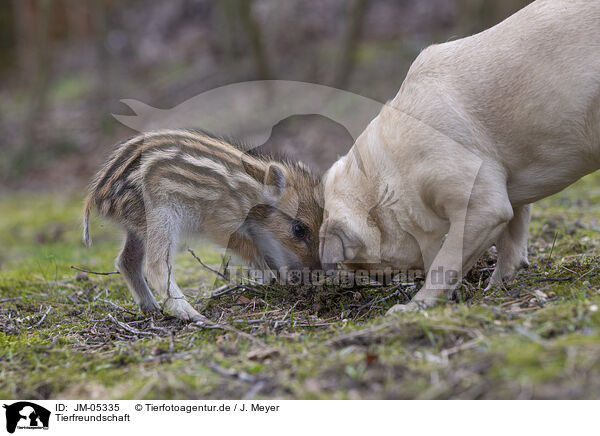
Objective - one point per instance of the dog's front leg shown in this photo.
(471, 233)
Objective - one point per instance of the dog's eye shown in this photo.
(299, 230)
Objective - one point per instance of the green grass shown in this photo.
(537, 338)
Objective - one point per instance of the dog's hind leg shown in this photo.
(512, 247)
(477, 219)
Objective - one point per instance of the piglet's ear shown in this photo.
(274, 182)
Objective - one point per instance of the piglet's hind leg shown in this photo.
(129, 263)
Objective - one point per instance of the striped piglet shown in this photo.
(165, 184)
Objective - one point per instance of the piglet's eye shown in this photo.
(299, 230)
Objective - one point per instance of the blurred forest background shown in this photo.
(64, 67)
(65, 64)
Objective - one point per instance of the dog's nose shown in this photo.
(331, 251)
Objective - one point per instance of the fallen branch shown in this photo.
(381, 299)
(223, 276)
(555, 279)
(219, 292)
(127, 327)
(100, 273)
(254, 390)
(241, 375)
(286, 314)
(43, 318)
(6, 300)
(532, 336)
(116, 306)
(214, 271)
(462, 347)
(171, 355)
(210, 325)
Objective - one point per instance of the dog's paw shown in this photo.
(501, 278)
(181, 309)
(506, 271)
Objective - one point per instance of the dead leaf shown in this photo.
(263, 353)
(243, 300)
(371, 358)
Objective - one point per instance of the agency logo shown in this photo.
(26, 415)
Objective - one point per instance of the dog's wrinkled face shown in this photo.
(359, 230)
(344, 235)
(342, 241)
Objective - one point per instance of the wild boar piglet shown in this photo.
(163, 185)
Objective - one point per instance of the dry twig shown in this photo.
(101, 273)
(211, 325)
(127, 327)
(6, 300)
(241, 375)
(116, 306)
(214, 271)
(43, 318)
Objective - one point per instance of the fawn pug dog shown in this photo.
(481, 128)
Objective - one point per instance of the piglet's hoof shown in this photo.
(150, 307)
(402, 308)
(179, 308)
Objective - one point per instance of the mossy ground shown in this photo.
(68, 337)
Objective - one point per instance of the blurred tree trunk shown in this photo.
(25, 29)
(238, 29)
(352, 35)
(254, 33)
(7, 33)
(227, 15)
(36, 16)
(98, 10)
(77, 17)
